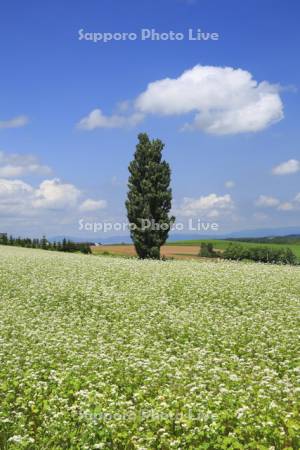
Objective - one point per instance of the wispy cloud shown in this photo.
(17, 165)
(15, 122)
(96, 119)
(230, 184)
(267, 201)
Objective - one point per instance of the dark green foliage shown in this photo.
(64, 246)
(290, 257)
(85, 249)
(44, 243)
(149, 198)
(207, 250)
(260, 254)
(292, 239)
(3, 238)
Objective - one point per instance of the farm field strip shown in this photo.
(179, 252)
(222, 244)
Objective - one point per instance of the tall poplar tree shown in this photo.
(149, 198)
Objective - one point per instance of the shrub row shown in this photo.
(260, 254)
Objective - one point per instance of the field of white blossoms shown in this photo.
(114, 353)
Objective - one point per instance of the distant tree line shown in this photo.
(239, 252)
(290, 239)
(60, 246)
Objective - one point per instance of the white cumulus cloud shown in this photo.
(51, 203)
(210, 206)
(9, 189)
(287, 167)
(92, 205)
(224, 100)
(54, 194)
(15, 197)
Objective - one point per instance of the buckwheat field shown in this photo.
(114, 353)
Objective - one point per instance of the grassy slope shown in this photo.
(222, 244)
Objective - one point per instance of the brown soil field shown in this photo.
(174, 251)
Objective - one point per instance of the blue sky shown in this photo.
(50, 81)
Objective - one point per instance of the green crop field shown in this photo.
(114, 353)
(222, 244)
